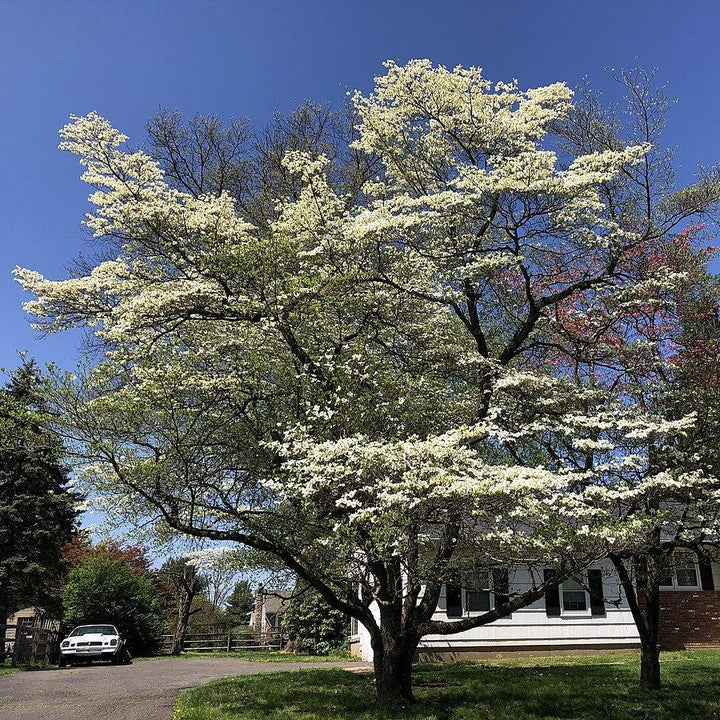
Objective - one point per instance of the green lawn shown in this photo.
(264, 656)
(597, 688)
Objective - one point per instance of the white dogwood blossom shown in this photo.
(441, 346)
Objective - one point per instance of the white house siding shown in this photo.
(530, 629)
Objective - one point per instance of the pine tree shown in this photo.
(37, 510)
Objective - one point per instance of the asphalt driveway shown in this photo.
(141, 691)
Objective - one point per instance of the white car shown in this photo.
(93, 642)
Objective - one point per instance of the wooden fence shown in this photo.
(231, 641)
(30, 644)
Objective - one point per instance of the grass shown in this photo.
(568, 688)
(6, 669)
(263, 656)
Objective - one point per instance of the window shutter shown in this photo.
(501, 585)
(453, 601)
(552, 595)
(595, 583)
(706, 575)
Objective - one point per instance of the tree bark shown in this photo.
(650, 666)
(392, 662)
(645, 607)
(182, 622)
(650, 637)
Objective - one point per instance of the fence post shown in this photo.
(229, 641)
(17, 646)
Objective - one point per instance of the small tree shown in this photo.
(103, 590)
(185, 584)
(312, 625)
(240, 603)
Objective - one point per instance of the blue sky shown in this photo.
(250, 57)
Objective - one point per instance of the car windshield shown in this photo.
(93, 630)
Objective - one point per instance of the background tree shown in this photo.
(186, 584)
(240, 603)
(358, 377)
(81, 548)
(103, 590)
(312, 625)
(208, 618)
(38, 510)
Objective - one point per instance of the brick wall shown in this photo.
(690, 619)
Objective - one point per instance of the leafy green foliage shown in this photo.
(240, 603)
(207, 618)
(37, 510)
(103, 590)
(313, 626)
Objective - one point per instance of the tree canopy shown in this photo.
(387, 346)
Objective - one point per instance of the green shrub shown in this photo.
(312, 626)
(101, 590)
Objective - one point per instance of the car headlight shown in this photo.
(65, 643)
(113, 641)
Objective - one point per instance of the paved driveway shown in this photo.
(141, 691)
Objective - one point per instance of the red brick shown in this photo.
(689, 619)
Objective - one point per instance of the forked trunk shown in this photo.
(392, 661)
(643, 597)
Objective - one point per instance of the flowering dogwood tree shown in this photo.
(381, 383)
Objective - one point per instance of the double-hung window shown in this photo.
(480, 591)
(681, 572)
(581, 595)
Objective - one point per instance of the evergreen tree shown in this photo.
(240, 603)
(37, 510)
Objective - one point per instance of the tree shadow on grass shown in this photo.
(471, 691)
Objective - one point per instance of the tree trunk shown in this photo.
(643, 597)
(181, 625)
(649, 666)
(650, 638)
(392, 661)
(3, 635)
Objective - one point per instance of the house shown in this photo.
(571, 618)
(265, 618)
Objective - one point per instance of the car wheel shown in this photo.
(62, 662)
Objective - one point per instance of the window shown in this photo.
(482, 590)
(477, 592)
(574, 598)
(681, 572)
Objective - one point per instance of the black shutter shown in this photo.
(595, 584)
(706, 575)
(453, 601)
(501, 586)
(552, 595)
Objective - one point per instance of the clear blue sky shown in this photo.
(241, 58)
